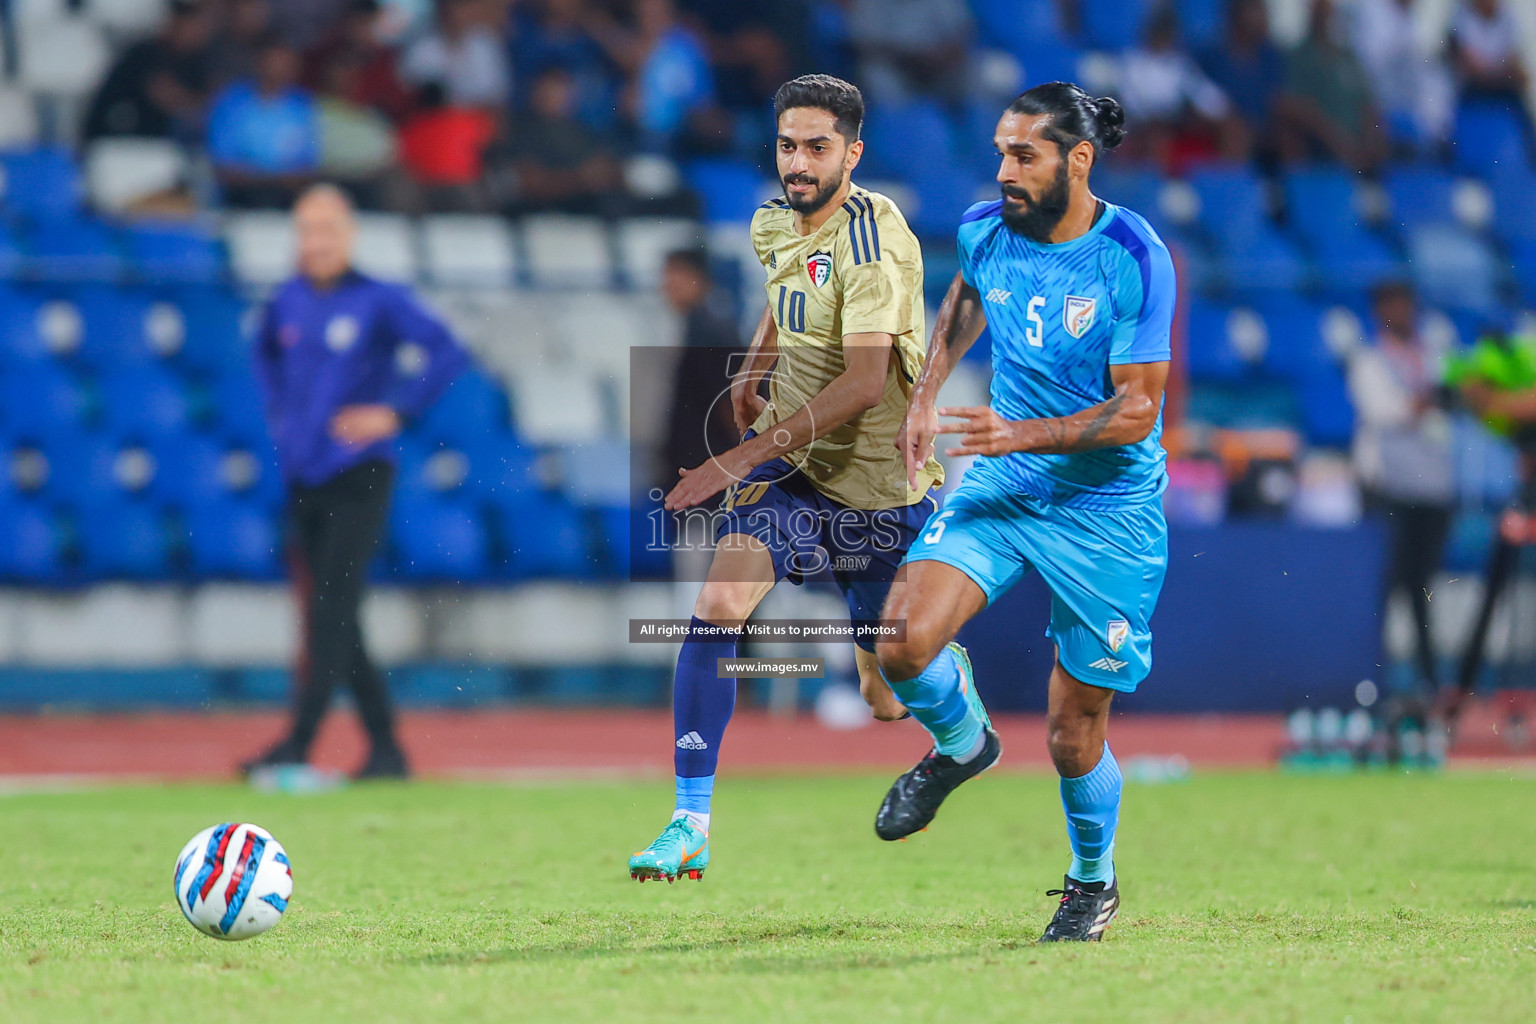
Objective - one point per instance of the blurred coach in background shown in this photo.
(343, 360)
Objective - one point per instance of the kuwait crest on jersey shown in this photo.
(819, 266)
(1077, 317)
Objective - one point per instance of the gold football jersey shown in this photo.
(861, 273)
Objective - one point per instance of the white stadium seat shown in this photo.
(120, 171)
(129, 17)
(260, 246)
(18, 119)
(597, 330)
(64, 57)
(29, 12)
(557, 406)
(644, 244)
(468, 251)
(385, 247)
(567, 251)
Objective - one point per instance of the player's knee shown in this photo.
(724, 603)
(1071, 741)
(903, 659)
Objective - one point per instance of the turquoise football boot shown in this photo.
(680, 850)
(968, 684)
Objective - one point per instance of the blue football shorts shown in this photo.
(809, 535)
(1104, 569)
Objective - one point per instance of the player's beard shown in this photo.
(1039, 217)
(811, 201)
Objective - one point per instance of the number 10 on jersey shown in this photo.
(796, 310)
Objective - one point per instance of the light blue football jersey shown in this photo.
(1060, 317)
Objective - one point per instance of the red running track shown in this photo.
(564, 743)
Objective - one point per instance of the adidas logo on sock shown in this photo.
(692, 741)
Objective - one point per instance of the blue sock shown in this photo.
(935, 700)
(701, 706)
(1092, 804)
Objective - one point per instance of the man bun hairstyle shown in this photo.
(1075, 116)
(824, 92)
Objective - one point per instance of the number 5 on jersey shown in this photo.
(1034, 332)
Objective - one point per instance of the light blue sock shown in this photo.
(935, 700)
(1092, 803)
(693, 794)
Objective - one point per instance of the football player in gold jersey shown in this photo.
(818, 484)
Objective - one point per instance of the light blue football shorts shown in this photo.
(1105, 570)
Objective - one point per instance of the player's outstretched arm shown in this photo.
(1126, 417)
(958, 325)
(866, 359)
(747, 403)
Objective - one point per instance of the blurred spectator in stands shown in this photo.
(158, 87)
(328, 354)
(911, 47)
(557, 34)
(464, 54)
(699, 418)
(358, 39)
(1329, 110)
(357, 142)
(303, 23)
(443, 149)
(559, 162)
(1411, 87)
(1485, 50)
(1403, 455)
(751, 46)
(1250, 69)
(1181, 116)
(244, 25)
(264, 132)
(670, 95)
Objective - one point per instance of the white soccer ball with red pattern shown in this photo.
(233, 881)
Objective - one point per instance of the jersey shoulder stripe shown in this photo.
(775, 204)
(863, 236)
(981, 211)
(1132, 233)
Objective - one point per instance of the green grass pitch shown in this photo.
(1248, 897)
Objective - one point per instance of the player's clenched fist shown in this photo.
(915, 439)
(983, 432)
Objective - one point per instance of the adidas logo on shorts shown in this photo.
(1105, 664)
(692, 741)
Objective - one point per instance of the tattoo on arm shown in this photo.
(1063, 437)
(1090, 436)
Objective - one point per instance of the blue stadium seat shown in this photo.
(729, 189)
(473, 406)
(117, 328)
(501, 465)
(1321, 210)
(215, 338)
(32, 331)
(1213, 356)
(1420, 196)
(1264, 262)
(1296, 347)
(1233, 205)
(437, 540)
(12, 255)
(233, 539)
(541, 535)
(1524, 258)
(189, 471)
(1491, 138)
(1327, 414)
(628, 552)
(1453, 268)
(945, 191)
(1113, 24)
(906, 141)
(1514, 203)
(75, 250)
(31, 550)
(144, 403)
(43, 184)
(239, 408)
(87, 469)
(1201, 22)
(39, 401)
(174, 253)
(123, 538)
(1020, 26)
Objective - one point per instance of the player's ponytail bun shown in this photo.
(1075, 116)
(1111, 121)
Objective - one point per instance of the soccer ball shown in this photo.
(233, 881)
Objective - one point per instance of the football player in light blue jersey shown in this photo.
(1079, 295)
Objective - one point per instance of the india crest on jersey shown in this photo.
(819, 266)
(1077, 317)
